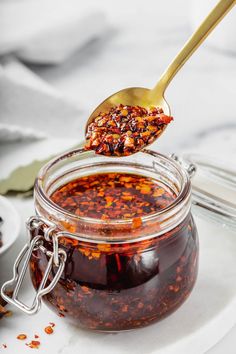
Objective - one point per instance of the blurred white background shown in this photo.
(60, 59)
(101, 47)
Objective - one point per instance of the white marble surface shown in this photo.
(145, 36)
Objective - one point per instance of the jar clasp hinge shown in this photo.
(56, 259)
(189, 167)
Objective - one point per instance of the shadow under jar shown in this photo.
(129, 260)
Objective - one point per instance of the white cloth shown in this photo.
(36, 121)
(31, 109)
(47, 31)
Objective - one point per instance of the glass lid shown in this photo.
(213, 187)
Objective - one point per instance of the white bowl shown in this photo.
(11, 224)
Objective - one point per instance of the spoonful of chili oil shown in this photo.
(133, 118)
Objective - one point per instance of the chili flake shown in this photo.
(125, 130)
(34, 344)
(48, 330)
(21, 336)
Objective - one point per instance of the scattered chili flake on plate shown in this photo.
(21, 336)
(4, 346)
(48, 330)
(34, 344)
(125, 130)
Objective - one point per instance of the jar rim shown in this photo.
(181, 197)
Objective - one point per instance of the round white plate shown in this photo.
(11, 224)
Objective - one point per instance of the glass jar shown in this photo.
(108, 275)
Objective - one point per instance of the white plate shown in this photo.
(208, 314)
(11, 224)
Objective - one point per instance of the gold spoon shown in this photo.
(155, 97)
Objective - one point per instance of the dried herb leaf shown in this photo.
(21, 180)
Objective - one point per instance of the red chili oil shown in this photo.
(113, 196)
(121, 286)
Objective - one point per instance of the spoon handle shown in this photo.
(210, 22)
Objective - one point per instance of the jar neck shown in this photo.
(79, 163)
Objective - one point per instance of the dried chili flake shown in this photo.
(34, 344)
(36, 336)
(136, 222)
(4, 346)
(125, 130)
(21, 336)
(104, 247)
(52, 324)
(48, 330)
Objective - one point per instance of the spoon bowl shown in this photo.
(131, 96)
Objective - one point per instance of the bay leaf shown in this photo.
(21, 180)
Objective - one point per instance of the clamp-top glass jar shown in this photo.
(112, 272)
